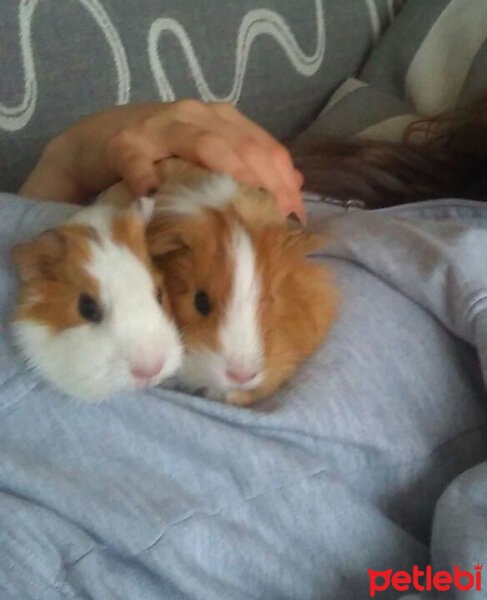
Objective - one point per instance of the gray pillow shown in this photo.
(279, 61)
(432, 59)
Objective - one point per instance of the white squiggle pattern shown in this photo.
(391, 10)
(255, 23)
(17, 117)
(394, 7)
(374, 19)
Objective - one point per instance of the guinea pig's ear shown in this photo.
(303, 241)
(37, 259)
(165, 236)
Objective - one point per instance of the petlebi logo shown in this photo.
(426, 580)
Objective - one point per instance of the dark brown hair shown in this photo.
(444, 156)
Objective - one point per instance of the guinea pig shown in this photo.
(93, 316)
(250, 306)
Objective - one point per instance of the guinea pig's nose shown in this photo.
(240, 375)
(146, 370)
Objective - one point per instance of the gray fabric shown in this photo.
(165, 495)
(363, 108)
(460, 526)
(81, 56)
(387, 66)
(476, 80)
(410, 71)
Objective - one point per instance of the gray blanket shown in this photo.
(363, 462)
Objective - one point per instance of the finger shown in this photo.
(281, 155)
(261, 163)
(208, 149)
(137, 170)
(231, 114)
(131, 156)
(212, 148)
(299, 177)
(298, 209)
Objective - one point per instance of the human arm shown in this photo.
(124, 142)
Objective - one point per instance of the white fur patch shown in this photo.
(98, 216)
(138, 327)
(240, 335)
(214, 191)
(241, 345)
(144, 208)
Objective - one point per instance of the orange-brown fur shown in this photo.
(297, 308)
(189, 265)
(52, 273)
(129, 232)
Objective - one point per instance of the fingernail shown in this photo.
(301, 214)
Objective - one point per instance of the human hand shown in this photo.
(124, 142)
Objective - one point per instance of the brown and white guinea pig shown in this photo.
(249, 304)
(92, 317)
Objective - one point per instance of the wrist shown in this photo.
(52, 177)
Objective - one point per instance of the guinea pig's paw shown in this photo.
(240, 398)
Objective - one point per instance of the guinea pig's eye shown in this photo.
(202, 303)
(159, 295)
(89, 308)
